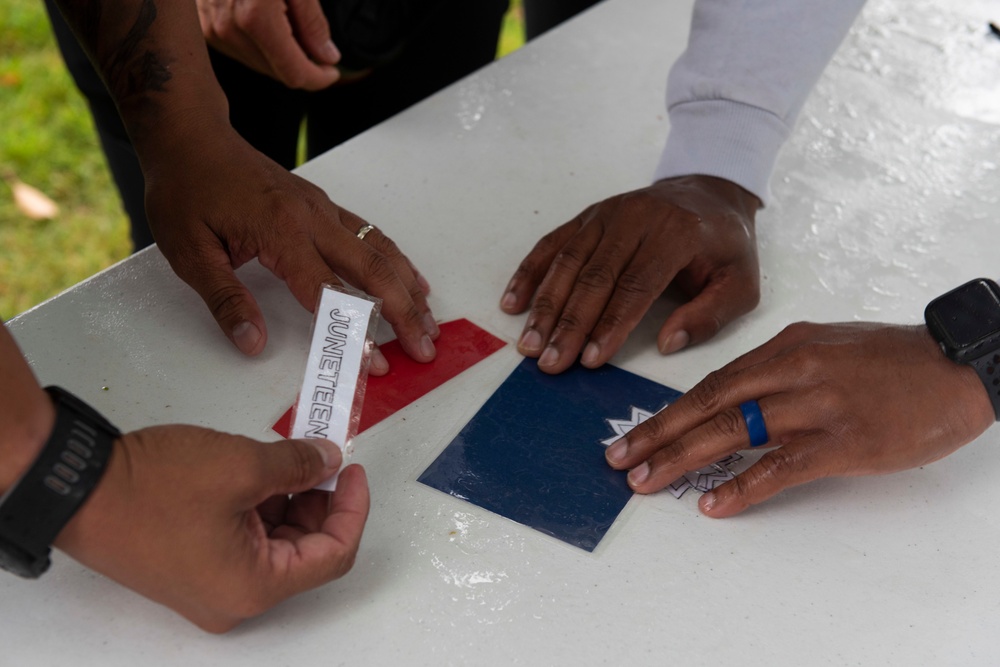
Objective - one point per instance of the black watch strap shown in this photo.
(37, 507)
(988, 367)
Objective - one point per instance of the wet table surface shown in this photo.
(885, 197)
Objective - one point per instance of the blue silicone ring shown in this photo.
(755, 423)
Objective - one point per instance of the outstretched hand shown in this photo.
(590, 281)
(837, 400)
(214, 203)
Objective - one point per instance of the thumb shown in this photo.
(704, 316)
(313, 31)
(293, 466)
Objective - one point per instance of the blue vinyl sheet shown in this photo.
(534, 452)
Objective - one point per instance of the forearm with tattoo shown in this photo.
(152, 57)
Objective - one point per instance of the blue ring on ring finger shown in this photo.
(754, 419)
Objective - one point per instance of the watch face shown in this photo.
(966, 315)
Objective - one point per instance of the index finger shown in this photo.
(718, 395)
(532, 269)
(327, 554)
(390, 278)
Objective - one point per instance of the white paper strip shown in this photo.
(336, 372)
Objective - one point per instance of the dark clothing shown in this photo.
(461, 39)
(542, 15)
(122, 162)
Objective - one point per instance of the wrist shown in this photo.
(170, 136)
(56, 484)
(741, 200)
(29, 424)
(966, 383)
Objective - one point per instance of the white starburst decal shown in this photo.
(623, 426)
(702, 480)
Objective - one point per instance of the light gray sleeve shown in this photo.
(736, 91)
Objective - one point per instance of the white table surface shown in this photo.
(885, 197)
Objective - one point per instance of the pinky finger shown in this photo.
(779, 469)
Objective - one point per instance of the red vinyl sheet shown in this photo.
(460, 346)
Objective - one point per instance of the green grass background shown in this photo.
(48, 141)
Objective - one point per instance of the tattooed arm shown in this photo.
(138, 48)
(213, 202)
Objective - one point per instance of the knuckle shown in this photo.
(249, 16)
(777, 466)
(526, 270)
(807, 361)
(706, 395)
(797, 331)
(223, 30)
(729, 424)
(711, 326)
(225, 302)
(549, 242)
(597, 277)
(612, 320)
(377, 268)
(386, 245)
(632, 203)
(652, 430)
(673, 456)
(301, 462)
(412, 318)
(744, 484)
(568, 258)
(569, 321)
(633, 284)
(545, 305)
(833, 404)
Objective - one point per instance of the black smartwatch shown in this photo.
(57, 483)
(966, 323)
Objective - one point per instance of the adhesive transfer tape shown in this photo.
(333, 388)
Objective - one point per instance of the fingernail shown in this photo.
(616, 452)
(550, 357)
(638, 474)
(246, 336)
(679, 340)
(380, 366)
(430, 326)
(427, 347)
(531, 341)
(508, 301)
(329, 451)
(331, 52)
(590, 355)
(707, 501)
